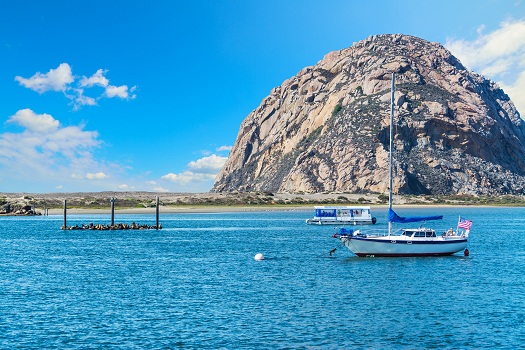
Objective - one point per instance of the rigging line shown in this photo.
(332, 251)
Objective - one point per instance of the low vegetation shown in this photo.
(130, 200)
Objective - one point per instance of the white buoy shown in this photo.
(258, 257)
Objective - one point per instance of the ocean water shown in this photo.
(195, 285)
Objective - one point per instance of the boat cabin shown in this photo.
(421, 232)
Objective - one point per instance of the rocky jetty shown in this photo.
(119, 227)
(19, 207)
(326, 129)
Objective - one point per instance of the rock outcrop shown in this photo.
(7, 208)
(326, 129)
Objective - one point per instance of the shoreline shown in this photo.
(224, 209)
(234, 209)
(90, 203)
(176, 210)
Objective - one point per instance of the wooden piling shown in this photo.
(157, 213)
(113, 211)
(119, 226)
(65, 214)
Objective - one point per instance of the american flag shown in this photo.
(464, 223)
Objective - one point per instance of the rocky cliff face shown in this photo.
(326, 129)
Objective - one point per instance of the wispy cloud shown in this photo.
(81, 100)
(125, 187)
(46, 150)
(120, 91)
(96, 176)
(224, 148)
(62, 79)
(188, 177)
(199, 176)
(499, 55)
(96, 79)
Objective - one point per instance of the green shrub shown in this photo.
(337, 109)
(382, 197)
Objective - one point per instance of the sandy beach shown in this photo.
(145, 202)
(186, 209)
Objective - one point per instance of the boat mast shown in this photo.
(390, 151)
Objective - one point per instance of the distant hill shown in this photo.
(326, 129)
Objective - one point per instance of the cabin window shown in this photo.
(325, 213)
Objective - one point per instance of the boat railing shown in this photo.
(359, 233)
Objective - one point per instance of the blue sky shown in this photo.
(135, 95)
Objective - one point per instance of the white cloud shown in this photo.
(187, 177)
(96, 79)
(224, 148)
(96, 176)
(208, 165)
(118, 91)
(125, 187)
(200, 174)
(499, 55)
(37, 123)
(160, 189)
(47, 151)
(56, 79)
(170, 177)
(81, 100)
(61, 79)
(151, 183)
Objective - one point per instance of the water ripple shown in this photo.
(195, 284)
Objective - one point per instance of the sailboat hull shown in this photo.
(393, 246)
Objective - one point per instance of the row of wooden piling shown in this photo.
(114, 226)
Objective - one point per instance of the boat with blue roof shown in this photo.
(341, 215)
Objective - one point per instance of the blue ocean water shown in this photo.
(195, 284)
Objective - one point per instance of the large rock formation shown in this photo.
(326, 129)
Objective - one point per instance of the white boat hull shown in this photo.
(391, 246)
(339, 222)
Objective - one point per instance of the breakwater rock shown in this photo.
(17, 209)
(119, 226)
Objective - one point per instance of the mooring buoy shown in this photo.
(258, 257)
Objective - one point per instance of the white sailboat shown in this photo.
(419, 241)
